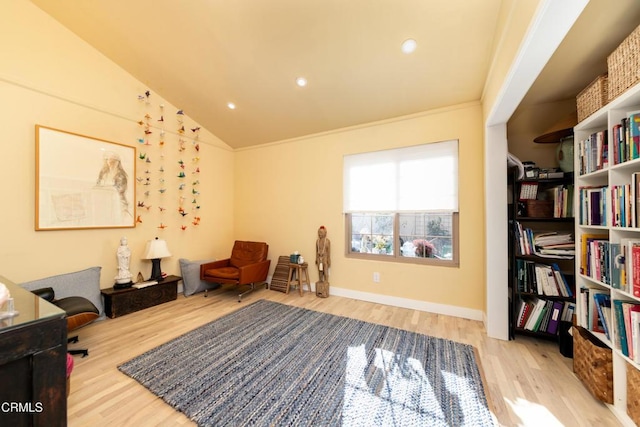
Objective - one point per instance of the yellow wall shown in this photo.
(49, 76)
(285, 191)
(280, 193)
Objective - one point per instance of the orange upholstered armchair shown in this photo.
(248, 265)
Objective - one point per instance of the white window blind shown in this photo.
(418, 178)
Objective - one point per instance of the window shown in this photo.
(402, 204)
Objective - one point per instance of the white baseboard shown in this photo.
(430, 307)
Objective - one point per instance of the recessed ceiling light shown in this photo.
(301, 81)
(409, 45)
(231, 106)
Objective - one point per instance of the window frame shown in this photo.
(396, 256)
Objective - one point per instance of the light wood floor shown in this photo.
(528, 381)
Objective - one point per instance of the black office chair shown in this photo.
(80, 312)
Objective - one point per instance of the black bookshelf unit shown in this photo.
(541, 277)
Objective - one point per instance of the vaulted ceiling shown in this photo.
(202, 55)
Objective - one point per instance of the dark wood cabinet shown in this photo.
(33, 354)
(118, 302)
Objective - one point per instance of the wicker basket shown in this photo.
(592, 98)
(592, 363)
(540, 208)
(633, 393)
(623, 65)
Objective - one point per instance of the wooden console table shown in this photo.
(118, 302)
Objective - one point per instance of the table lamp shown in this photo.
(155, 250)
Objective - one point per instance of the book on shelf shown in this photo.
(616, 266)
(543, 316)
(541, 279)
(635, 333)
(544, 244)
(620, 341)
(585, 240)
(556, 313)
(624, 317)
(602, 302)
(634, 133)
(568, 311)
(592, 152)
(593, 205)
(562, 197)
(630, 250)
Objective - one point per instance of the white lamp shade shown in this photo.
(156, 248)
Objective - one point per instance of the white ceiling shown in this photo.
(200, 55)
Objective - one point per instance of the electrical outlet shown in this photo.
(376, 277)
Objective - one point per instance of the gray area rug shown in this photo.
(270, 364)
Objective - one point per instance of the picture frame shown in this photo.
(83, 182)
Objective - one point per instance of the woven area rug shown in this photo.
(270, 364)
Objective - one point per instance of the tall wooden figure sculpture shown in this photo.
(323, 261)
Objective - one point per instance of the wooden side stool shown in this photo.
(298, 270)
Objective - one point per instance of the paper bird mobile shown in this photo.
(139, 179)
(161, 169)
(140, 97)
(181, 162)
(148, 160)
(141, 140)
(140, 122)
(162, 190)
(197, 207)
(197, 147)
(161, 180)
(147, 132)
(196, 182)
(194, 191)
(161, 106)
(181, 187)
(194, 201)
(147, 116)
(147, 94)
(196, 220)
(196, 129)
(139, 220)
(161, 119)
(141, 204)
(162, 226)
(180, 112)
(181, 175)
(197, 170)
(195, 159)
(146, 193)
(142, 156)
(148, 207)
(183, 227)
(162, 209)
(147, 172)
(182, 212)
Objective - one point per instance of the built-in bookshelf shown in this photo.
(541, 255)
(607, 232)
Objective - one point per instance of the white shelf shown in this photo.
(606, 118)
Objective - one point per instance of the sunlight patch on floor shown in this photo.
(532, 414)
